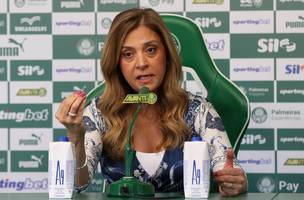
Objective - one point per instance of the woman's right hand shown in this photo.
(70, 113)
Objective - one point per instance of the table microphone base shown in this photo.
(130, 187)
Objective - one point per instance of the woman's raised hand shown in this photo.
(70, 113)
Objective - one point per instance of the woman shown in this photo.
(140, 52)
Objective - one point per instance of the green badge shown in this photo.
(149, 98)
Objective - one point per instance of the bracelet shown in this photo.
(85, 164)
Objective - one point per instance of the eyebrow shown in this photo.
(145, 44)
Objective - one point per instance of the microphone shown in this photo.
(130, 186)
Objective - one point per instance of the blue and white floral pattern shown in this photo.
(201, 118)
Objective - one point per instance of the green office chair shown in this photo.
(231, 104)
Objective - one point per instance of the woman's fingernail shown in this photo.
(80, 93)
(77, 92)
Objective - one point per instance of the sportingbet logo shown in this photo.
(27, 184)
(150, 98)
(274, 45)
(216, 45)
(27, 115)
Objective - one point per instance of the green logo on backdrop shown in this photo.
(267, 45)
(259, 115)
(290, 139)
(3, 24)
(290, 91)
(25, 115)
(290, 5)
(3, 161)
(3, 70)
(251, 5)
(73, 6)
(257, 91)
(117, 5)
(64, 89)
(30, 24)
(75, 46)
(29, 161)
(258, 139)
(211, 22)
(31, 70)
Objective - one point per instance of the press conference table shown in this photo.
(212, 196)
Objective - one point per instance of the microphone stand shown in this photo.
(130, 186)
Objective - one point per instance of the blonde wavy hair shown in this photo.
(172, 99)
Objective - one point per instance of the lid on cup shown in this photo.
(196, 137)
(63, 139)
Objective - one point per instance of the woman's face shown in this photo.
(142, 59)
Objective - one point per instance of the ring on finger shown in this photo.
(72, 114)
(227, 185)
(230, 185)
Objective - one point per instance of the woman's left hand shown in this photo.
(232, 181)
